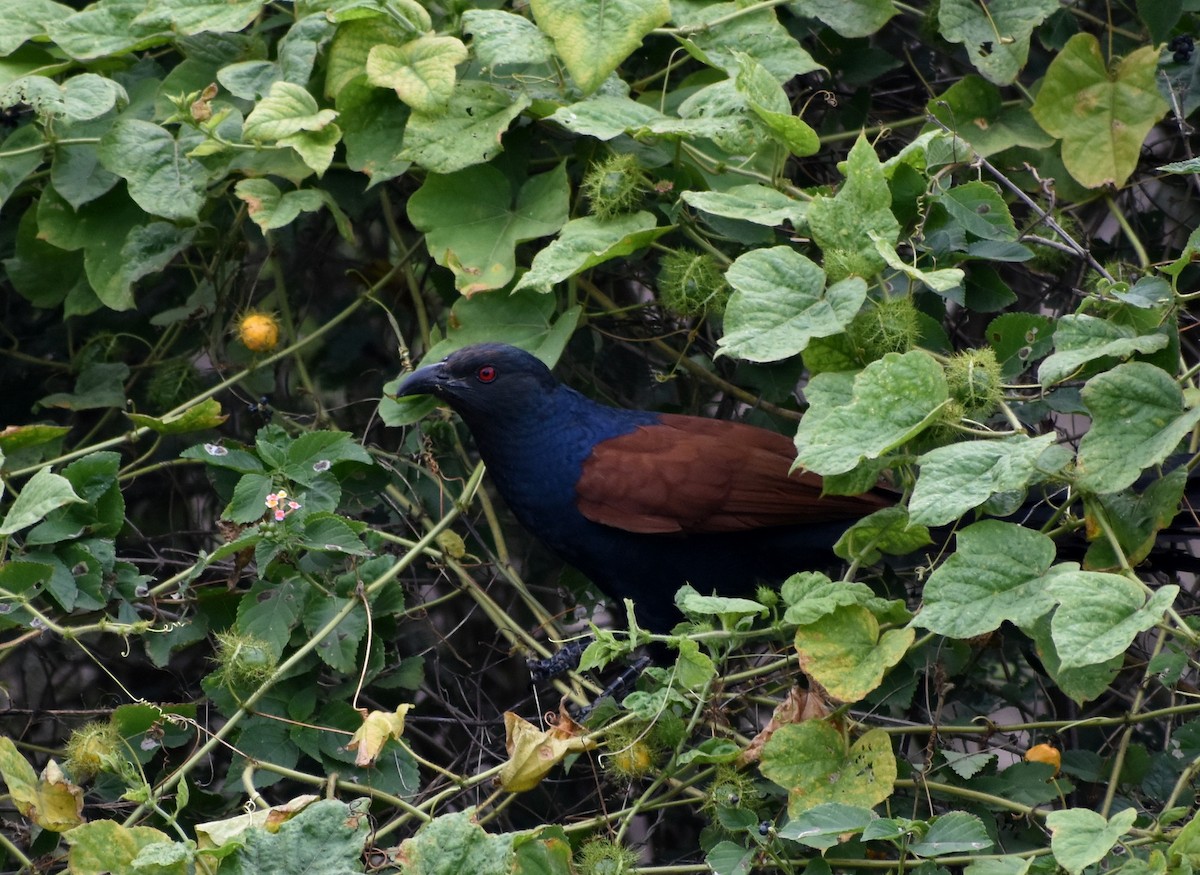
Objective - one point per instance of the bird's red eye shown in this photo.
(486, 374)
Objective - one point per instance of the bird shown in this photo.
(640, 502)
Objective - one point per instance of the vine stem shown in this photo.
(1118, 761)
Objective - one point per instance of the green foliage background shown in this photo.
(229, 583)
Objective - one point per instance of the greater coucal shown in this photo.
(640, 502)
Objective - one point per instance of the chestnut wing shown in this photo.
(693, 475)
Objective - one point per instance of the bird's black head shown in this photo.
(484, 380)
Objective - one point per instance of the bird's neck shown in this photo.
(535, 449)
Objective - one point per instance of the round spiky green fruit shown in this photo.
(890, 325)
(973, 377)
(614, 186)
(692, 284)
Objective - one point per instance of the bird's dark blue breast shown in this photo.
(536, 460)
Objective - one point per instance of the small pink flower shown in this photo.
(281, 504)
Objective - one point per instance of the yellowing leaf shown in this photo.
(1102, 117)
(813, 761)
(217, 833)
(105, 846)
(376, 729)
(594, 36)
(799, 705)
(845, 653)
(59, 802)
(533, 752)
(421, 71)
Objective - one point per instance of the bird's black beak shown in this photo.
(429, 380)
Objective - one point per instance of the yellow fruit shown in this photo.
(1044, 753)
(259, 332)
(632, 761)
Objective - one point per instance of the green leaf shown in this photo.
(940, 281)
(780, 303)
(42, 274)
(1160, 16)
(501, 38)
(146, 250)
(972, 108)
(996, 574)
(101, 384)
(329, 533)
(467, 133)
(1100, 614)
(78, 98)
(311, 454)
(1135, 520)
(811, 595)
(457, 843)
(893, 399)
(728, 609)
(15, 438)
(249, 502)
(606, 117)
(1079, 339)
(186, 17)
(372, 123)
(996, 36)
(19, 777)
(755, 203)
(811, 761)
(102, 513)
(594, 36)
(338, 649)
(1138, 419)
(14, 168)
(286, 110)
(980, 210)
(968, 765)
(43, 493)
(767, 100)
(586, 242)
(962, 476)
(885, 531)
(1102, 116)
(421, 71)
(27, 20)
(207, 414)
(824, 826)
(1018, 339)
(718, 37)
(269, 208)
(953, 833)
(1186, 846)
(845, 653)
(730, 858)
(162, 180)
(1079, 837)
(106, 28)
(76, 171)
(693, 669)
(843, 225)
(326, 838)
(473, 222)
(849, 18)
(270, 611)
(353, 43)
